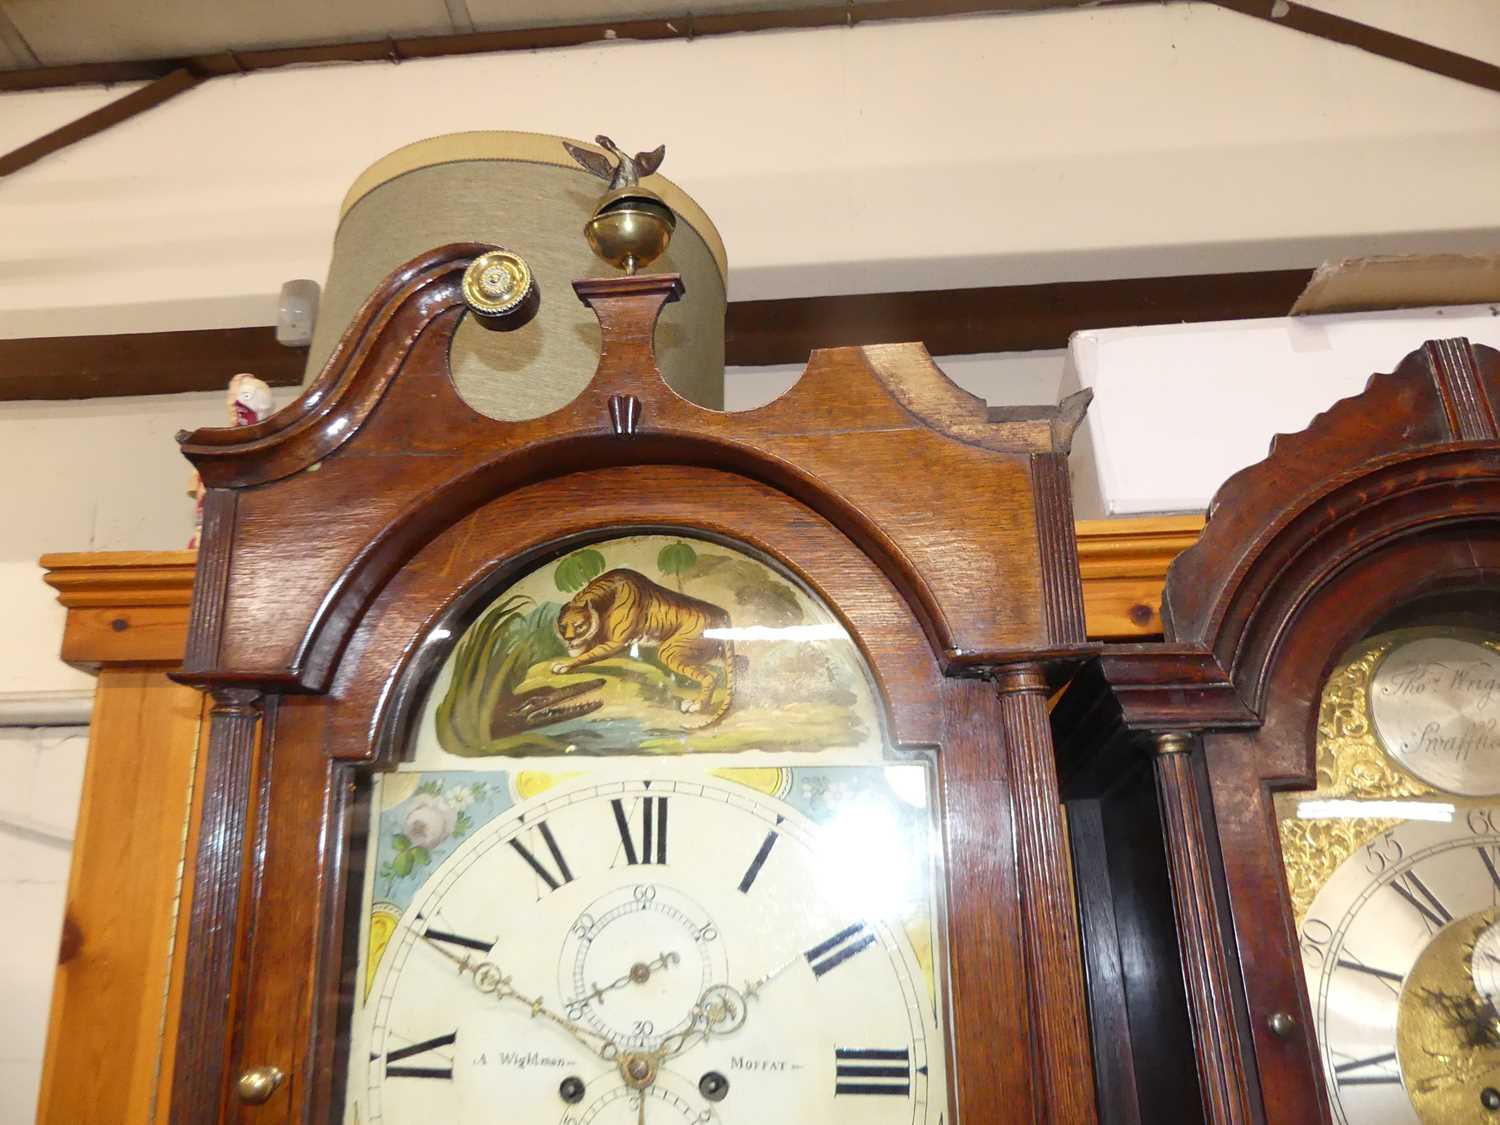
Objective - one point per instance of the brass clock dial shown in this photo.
(1404, 1032)
(1393, 864)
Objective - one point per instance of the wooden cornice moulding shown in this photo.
(357, 414)
(1123, 563)
(124, 607)
(121, 578)
(131, 607)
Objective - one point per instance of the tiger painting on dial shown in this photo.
(650, 643)
(622, 608)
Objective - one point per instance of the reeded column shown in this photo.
(1205, 962)
(1054, 951)
(203, 1032)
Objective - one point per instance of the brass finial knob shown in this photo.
(631, 228)
(256, 1085)
(632, 225)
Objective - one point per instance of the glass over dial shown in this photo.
(649, 857)
(666, 949)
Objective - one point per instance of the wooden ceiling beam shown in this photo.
(757, 333)
(143, 363)
(136, 102)
(1386, 44)
(681, 25)
(1008, 318)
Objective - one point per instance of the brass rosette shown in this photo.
(499, 288)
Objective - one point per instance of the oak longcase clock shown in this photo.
(636, 763)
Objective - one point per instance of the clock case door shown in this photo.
(341, 532)
(1389, 502)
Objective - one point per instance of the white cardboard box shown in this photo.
(1179, 408)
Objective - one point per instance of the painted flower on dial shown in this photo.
(435, 814)
(430, 821)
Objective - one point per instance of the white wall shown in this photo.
(43, 772)
(98, 475)
(1085, 143)
(1001, 379)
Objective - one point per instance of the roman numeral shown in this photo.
(872, 1070)
(454, 939)
(653, 833)
(839, 948)
(418, 1049)
(1385, 976)
(1434, 914)
(758, 862)
(1344, 1074)
(560, 874)
(1488, 860)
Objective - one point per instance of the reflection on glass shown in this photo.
(1440, 811)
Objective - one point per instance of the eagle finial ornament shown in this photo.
(626, 171)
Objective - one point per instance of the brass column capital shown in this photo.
(1174, 742)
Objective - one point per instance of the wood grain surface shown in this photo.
(109, 1036)
(1053, 948)
(844, 442)
(378, 509)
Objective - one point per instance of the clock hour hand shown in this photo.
(487, 977)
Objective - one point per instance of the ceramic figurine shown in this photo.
(249, 401)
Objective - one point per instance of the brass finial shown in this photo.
(632, 225)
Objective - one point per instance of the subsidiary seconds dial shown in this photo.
(665, 949)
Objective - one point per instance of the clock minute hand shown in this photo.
(722, 1010)
(752, 988)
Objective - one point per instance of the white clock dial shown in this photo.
(670, 1100)
(1362, 943)
(679, 949)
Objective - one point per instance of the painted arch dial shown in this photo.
(663, 947)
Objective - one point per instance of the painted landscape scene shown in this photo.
(653, 644)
